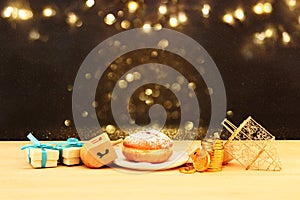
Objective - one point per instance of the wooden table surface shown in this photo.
(20, 181)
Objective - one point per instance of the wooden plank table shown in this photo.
(20, 181)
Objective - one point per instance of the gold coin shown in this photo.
(214, 170)
(187, 170)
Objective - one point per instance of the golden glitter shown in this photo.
(122, 84)
(182, 17)
(7, 12)
(180, 79)
(137, 75)
(269, 32)
(267, 7)
(120, 13)
(142, 96)
(205, 10)
(192, 85)
(163, 43)
(168, 104)
(132, 6)
(109, 19)
(49, 12)
(228, 19)
(71, 18)
(148, 91)
(113, 66)
(189, 125)
(90, 3)
(291, 3)
(69, 88)
(129, 61)
(79, 23)
(95, 104)
(162, 9)
(173, 21)
(149, 101)
(84, 114)
(129, 77)
(258, 8)
(88, 76)
(155, 93)
(147, 27)
(175, 114)
(286, 38)
(110, 129)
(158, 26)
(154, 54)
(67, 122)
(239, 14)
(125, 24)
(176, 87)
(229, 113)
(34, 35)
(209, 91)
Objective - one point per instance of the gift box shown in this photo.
(41, 155)
(69, 151)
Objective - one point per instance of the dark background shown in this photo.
(261, 80)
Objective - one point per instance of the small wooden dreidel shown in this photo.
(98, 151)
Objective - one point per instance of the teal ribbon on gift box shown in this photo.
(37, 144)
(71, 142)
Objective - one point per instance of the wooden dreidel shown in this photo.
(98, 151)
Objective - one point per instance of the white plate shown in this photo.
(177, 159)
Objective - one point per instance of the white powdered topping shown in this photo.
(152, 137)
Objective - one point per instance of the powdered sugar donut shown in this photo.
(147, 146)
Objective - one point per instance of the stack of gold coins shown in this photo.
(216, 156)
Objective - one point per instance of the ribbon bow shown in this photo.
(37, 144)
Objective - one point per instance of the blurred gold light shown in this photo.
(291, 3)
(268, 7)
(269, 32)
(90, 3)
(71, 18)
(162, 9)
(228, 18)
(258, 8)
(24, 14)
(147, 27)
(299, 19)
(109, 19)
(173, 21)
(189, 125)
(67, 122)
(148, 91)
(7, 12)
(286, 38)
(132, 6)
(122, 84)
(110, 129)
(49, 12)
(239, 14)
(259, 38)
(182, 17)
(34, 35)
(129, 77)
(125, 24)
(205, 10)
(158, 26)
